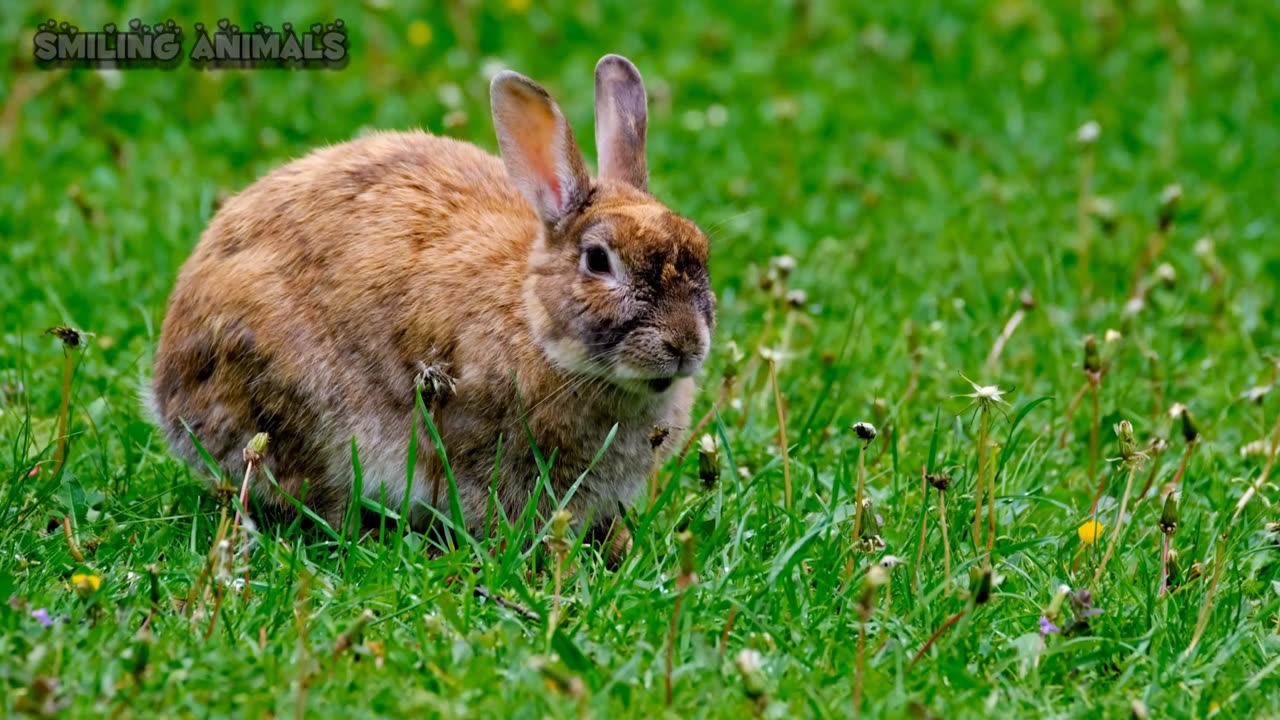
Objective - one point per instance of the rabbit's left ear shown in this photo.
(538, 147)
(622, 117)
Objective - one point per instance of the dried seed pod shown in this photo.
(865, 431)
(940, 481)
(1092, 358)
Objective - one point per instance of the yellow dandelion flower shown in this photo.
(1090, 531)
(85, 585)
(419, 33)
(518, 5)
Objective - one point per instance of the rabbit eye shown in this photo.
(597, 260)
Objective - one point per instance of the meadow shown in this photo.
(992, 232)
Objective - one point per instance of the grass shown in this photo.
(919, 162)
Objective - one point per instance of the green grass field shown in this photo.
(921, 164)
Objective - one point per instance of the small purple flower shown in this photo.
(1047, 628)
(42, 616)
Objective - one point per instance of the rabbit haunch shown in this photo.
(554, 302)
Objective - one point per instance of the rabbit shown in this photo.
(535, 306)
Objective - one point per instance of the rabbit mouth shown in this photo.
(660, 384)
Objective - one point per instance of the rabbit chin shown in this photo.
(571, 355)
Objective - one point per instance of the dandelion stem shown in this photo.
(71, 539)
(924, 527)
(991, 514)
(671, 641)
(64, 410)
(858, 667)
(936, 634)
(981, 486)
(946, 542)
(998, 347)
(1182, 467)
(555, 599)
(782, 432)
(1115, 534)
(1164, 566)
(860, 493)
(728, 627)
(1093, 431)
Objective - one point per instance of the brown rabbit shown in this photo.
(538, 304)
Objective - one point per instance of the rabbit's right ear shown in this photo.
(538, 147)
(622, 116)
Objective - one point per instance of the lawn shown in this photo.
(963, 191)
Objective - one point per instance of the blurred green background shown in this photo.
(920, 162)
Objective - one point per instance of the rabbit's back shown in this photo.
(318, 293)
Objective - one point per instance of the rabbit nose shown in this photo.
(684, 355)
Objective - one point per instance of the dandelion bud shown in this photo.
(750, 666)
(870, 524)
(1104, 211)
(1167, 275)
(1124, 432)
(1157, 446)
(687, 573)
(1257, 394)
(982, 591)
(871, 582)
(880, 408)
(940, 481)
(560, 525)
(354, 634)
(1257, 448)
(784, 264)
(889, 562)
(709, 460)
(865, 431)
(1088, 133)
(256, 447)
(1112, 336)
(797, 299)
(1175, 569)
(734, 362)
(1027, 300)
(1169, 515)
(1055, 605)
(1169, 198)
(1092, 358)
(1190, 432)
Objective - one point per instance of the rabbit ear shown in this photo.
(622, 116)
(538, 147)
